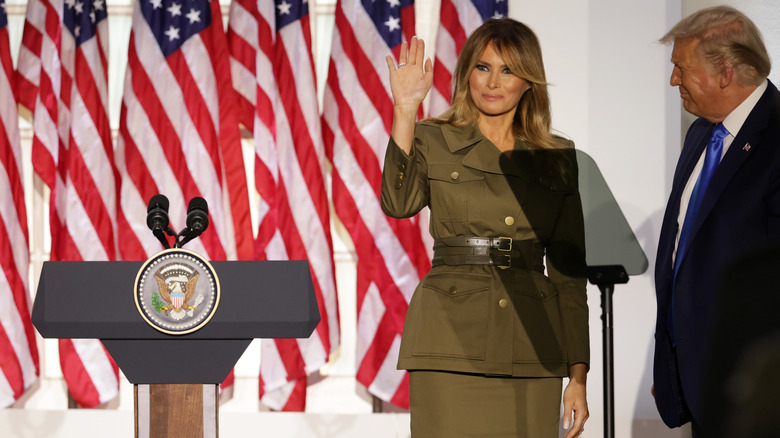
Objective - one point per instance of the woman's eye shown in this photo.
(482, 67)
(507, 71)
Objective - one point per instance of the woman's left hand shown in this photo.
(575, 403)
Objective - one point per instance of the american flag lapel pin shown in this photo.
(746, 147)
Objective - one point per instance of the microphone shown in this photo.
(157, 213)
(157, 218)
(197, 220)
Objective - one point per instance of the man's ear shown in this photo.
(727, 76)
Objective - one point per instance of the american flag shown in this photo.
(273, 72)
(18, 351)
(458, 19)
(178, 134)
(62, 69)
(357, 120)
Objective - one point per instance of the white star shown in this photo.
(92, 16)
(395, 3)
(77, 31)
(497, 16)
(172, 33)
(157, 4)
(98, 5)
(284, 8)
(70, 3)
(193, 16)
(175, 9)
(79, 8)
(393, 23)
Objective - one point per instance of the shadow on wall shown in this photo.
(655, 428)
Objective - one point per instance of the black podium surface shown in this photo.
(259, 299)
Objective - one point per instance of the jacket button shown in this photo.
(401, 176)
(453, 290)
(503, 302)
(454, 175)
(398, 184)
(402, 167)
(509, 221)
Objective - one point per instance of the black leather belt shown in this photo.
(502, 252)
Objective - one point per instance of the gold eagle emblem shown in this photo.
(173, 287)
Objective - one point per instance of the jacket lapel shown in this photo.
(751, 133)
(695, 142)
(483, 155)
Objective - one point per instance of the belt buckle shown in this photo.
(504, 244)
(508, 262)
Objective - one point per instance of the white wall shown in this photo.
(611, 96)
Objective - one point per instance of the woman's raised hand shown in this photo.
(409, 82)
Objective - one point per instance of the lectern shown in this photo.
(176, 377)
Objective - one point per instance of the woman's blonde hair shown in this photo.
(518, 46)
(726, 37)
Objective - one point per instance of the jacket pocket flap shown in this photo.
(452, 173)
(535, 285)
(456, 283)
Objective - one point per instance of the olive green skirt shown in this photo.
(451, 405)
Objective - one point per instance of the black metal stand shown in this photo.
(605, 277)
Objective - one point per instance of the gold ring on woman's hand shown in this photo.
(402, 64)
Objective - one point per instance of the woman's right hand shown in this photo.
(409, 82)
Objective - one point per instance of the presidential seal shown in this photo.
(177, 291)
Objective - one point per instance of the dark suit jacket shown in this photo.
(742, 386)
(740, 212)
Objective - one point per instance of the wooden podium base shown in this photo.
(172, 411)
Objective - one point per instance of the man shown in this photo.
(725, 197)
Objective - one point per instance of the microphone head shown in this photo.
(157, 213)
(160, 201)
(198, 215)
(198, 203)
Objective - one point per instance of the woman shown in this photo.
(488, 337)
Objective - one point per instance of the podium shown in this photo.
(176, 377)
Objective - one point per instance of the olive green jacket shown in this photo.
(480, 318)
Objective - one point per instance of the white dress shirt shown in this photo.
(733, 123)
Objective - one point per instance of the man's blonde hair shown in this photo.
(726, 37)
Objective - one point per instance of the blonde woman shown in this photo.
(489, 337)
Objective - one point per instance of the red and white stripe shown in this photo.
(18, 351)
(251, 37)
(181, 144)
(391, 255)
(458, 19)
(73, 155)
(273, 71)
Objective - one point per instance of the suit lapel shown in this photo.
(695, 142)
(748, 139)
